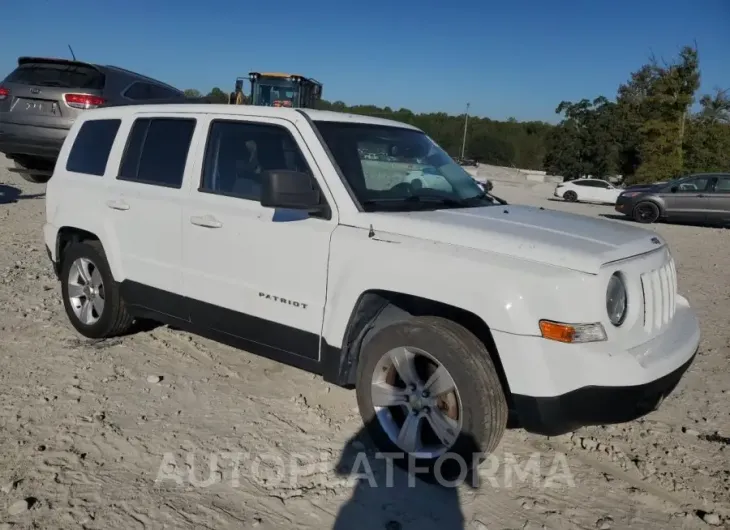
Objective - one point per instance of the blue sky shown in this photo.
(515, 58)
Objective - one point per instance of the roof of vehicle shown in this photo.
(706, 174)
(274, 74)
(200, 105)
(329, 115)
(140, 76)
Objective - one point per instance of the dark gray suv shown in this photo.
(700, 198)
(41, 98)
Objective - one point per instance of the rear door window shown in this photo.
(58, 75)
(90, 151)
(157, 151)
(723, 185)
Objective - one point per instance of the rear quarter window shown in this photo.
(58, 75)
(90, 151)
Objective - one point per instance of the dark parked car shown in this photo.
(698, 198)
(41, 98)
(467, 162)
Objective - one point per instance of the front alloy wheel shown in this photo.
(416, 402)
(646, 212)
(429, 394)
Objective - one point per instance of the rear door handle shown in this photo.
(208, 221)
(117, 205)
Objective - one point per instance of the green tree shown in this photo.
(630, 117)
(508, 143)
(192, 93)
(217, 96)
(667, 107)
(584, 142)
(649, 133)
(707, 143)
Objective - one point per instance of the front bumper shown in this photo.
(567, 386)
(623, 206)
(597, 405)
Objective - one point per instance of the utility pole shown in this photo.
(466, 121)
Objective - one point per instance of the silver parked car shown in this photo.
(42, 97)
(697, 198)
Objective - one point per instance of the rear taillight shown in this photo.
(4, 93)
(83, 101)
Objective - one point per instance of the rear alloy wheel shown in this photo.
(29, 170)
(570, 196)
(429, 394)
(90, 295)
(646, 212)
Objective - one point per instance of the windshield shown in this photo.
(275, 93)
(398, 168)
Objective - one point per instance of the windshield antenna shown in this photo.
(72, 52)
(371, 233)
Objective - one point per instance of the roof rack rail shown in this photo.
(165, 101)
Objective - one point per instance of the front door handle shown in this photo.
(117, 205)
(208, 221)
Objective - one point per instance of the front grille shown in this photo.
(660, 289)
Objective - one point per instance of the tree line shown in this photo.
(503, 143)
(648, 133)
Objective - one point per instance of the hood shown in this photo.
(637, 187)
(572, 241)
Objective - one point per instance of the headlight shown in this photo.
(616, 299)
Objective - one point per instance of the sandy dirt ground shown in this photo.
(163, 429)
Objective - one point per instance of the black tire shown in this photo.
(114, 319)
(570, 196)
(27, 173)
(646, 212)
(484, 408)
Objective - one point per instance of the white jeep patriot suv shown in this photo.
(305, 236)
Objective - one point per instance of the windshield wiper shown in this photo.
(433, 198)
(446, 201)
(414, 199)
(485, 195)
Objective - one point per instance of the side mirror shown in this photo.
(674, 189)
(289, 189)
